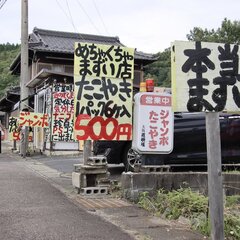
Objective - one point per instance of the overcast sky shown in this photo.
(148, 25)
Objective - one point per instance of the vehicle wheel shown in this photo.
(131, 159)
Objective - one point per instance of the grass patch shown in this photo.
(194, 206)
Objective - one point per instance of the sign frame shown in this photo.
(141, 108)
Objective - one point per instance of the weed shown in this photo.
(194, 206)
(232, 200)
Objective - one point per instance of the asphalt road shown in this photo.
(31, 208)
(38, 201)
(65, 164)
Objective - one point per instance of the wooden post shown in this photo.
(87, 150)
(215, 188)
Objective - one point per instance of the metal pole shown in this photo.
(24, 71)
(215, 188)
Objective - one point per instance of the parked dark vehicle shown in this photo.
(189, 143)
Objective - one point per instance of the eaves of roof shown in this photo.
(41, 40)
(9, 100)
(44, 75)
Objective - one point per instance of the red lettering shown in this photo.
(78, 127)
(91, 124)
(104, 131)
(124, 130)
(114, 129)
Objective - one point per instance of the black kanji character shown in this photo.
(108, 87)
(82, 83)
(228, 76)
(126, 88)
(199, 63)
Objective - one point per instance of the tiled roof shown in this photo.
(11, 97)
(63, 42)
(42, 40)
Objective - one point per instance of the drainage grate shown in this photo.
(98, 203)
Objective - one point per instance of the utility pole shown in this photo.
(24, 93)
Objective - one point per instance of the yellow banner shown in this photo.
(103, 60)
(103, 92)
(14, 130)
(32, 119)
(103, 111)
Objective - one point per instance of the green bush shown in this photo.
(194, 206)
(232, 225)
(182, 202)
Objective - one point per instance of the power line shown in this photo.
(70, 15)
(2, 2)
(69, 18)
(65, 13)
(89, 18)
(98, 12)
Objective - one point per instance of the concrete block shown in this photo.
(97, 161)
(79, 180)
(134, 183)
(88, 169)
(154, 168)
(103, 182)
(94, 191)
(76, 179)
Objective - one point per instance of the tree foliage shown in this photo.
(160, 71)
(229, 32)
(7, 54)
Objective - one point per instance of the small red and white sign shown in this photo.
(153, 123)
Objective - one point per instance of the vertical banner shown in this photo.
(153, 123)
(103, 76)
(63, 111)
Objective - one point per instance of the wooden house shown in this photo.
(51, 61)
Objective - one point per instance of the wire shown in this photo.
(2, 3)
(70, 15)
(98, 12)
(89, 18)
(69, 18)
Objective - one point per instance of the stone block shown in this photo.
(103, 182)
(94, 191)
(154, 168)
(76, 179)
(79, 180)
(88, 169)
(97, 161)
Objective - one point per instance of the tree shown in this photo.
(229, 32)
(160, 70)
(7, 53)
